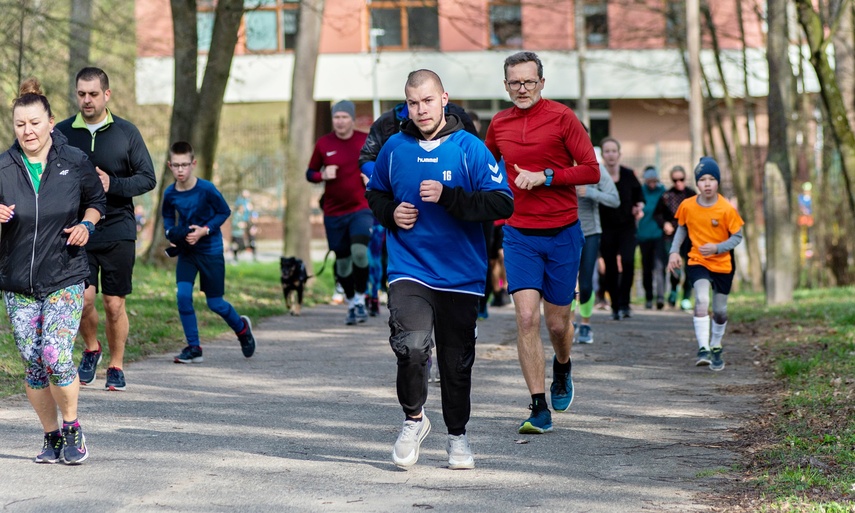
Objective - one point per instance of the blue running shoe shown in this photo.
(562, 390)
(540, 422)
(190, 354)
(350, 320)
(247, 340)
(716, 361)
(74, 450)
(86, 370)
(703, 357)
(115, 380)
(360, 313)
(586, 335)
(52, 448)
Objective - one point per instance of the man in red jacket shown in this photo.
(547, 153)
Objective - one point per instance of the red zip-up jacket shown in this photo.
(547, 135)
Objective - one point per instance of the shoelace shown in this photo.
(410, 430)
(561, 384)
(52, 442)
(74, 434)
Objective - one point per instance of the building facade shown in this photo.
(635, 70)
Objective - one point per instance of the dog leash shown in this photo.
(323, 266)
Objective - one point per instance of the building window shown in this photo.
(204, 30)
(406, 23)
(506, 24)
(267, 25)
(597, 22)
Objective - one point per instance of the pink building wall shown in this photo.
(464, 26)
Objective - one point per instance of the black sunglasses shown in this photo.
(679, 179)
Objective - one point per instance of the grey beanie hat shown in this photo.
(650, 173)
(345, 106)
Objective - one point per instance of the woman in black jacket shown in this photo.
(50, 199)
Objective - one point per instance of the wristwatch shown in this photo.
(549, 173)
(89, 226)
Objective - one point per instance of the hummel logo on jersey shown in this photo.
(433, 160)
(63, 172)
(331, 153)
(495, 175)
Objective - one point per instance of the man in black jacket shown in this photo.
(124, 165)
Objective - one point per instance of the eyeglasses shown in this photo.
(679, 179)
(516, 85)
(180, 165)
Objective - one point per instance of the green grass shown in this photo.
(253, 289)
(805, 443)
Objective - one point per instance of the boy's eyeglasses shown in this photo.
(678, 179)
(180, 165)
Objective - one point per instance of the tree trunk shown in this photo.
(186, 102)
(781, 253)
(206, 130)
(743, 180)
(830, 93)
(80, 29)
(301, 133)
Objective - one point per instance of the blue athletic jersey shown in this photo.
(203, 205)
(440, 251)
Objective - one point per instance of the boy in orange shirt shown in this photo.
(714, 227)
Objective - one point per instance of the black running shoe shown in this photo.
(86, 370)
(74, 450)
(52, 448)
(190, 354)
(115, 380)
(247, 341)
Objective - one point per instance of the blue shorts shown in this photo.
(211, 270)
(543, 263)
(343, 231)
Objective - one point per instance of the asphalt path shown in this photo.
(308, 423)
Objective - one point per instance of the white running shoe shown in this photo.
(406, 451)
(459, 452)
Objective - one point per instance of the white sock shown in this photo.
(702, 331)
(717, 334)
(359, 299)
(351, 301)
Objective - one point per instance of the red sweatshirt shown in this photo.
(346, 193)
(547, 135)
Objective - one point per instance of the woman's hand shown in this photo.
(78, 235)
(6, 213)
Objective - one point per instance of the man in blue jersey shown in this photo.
(432, 187)
(193, 212)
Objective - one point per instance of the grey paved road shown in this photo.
(307, 425)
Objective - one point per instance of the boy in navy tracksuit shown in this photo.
(432, 187)
(193, 211)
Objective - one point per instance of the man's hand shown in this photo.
(638, 211)
(430, 191)
(365, 178)
(668, 228)
(329, 172)
(406, 215)
(196, 233)
(105, 179)
(581, 190)
(527, 180)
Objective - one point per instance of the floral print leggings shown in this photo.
(44, 331)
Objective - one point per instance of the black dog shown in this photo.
(293, 276)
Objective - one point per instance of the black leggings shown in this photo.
(614, 243)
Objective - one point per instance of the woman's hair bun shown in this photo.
(31, 86)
